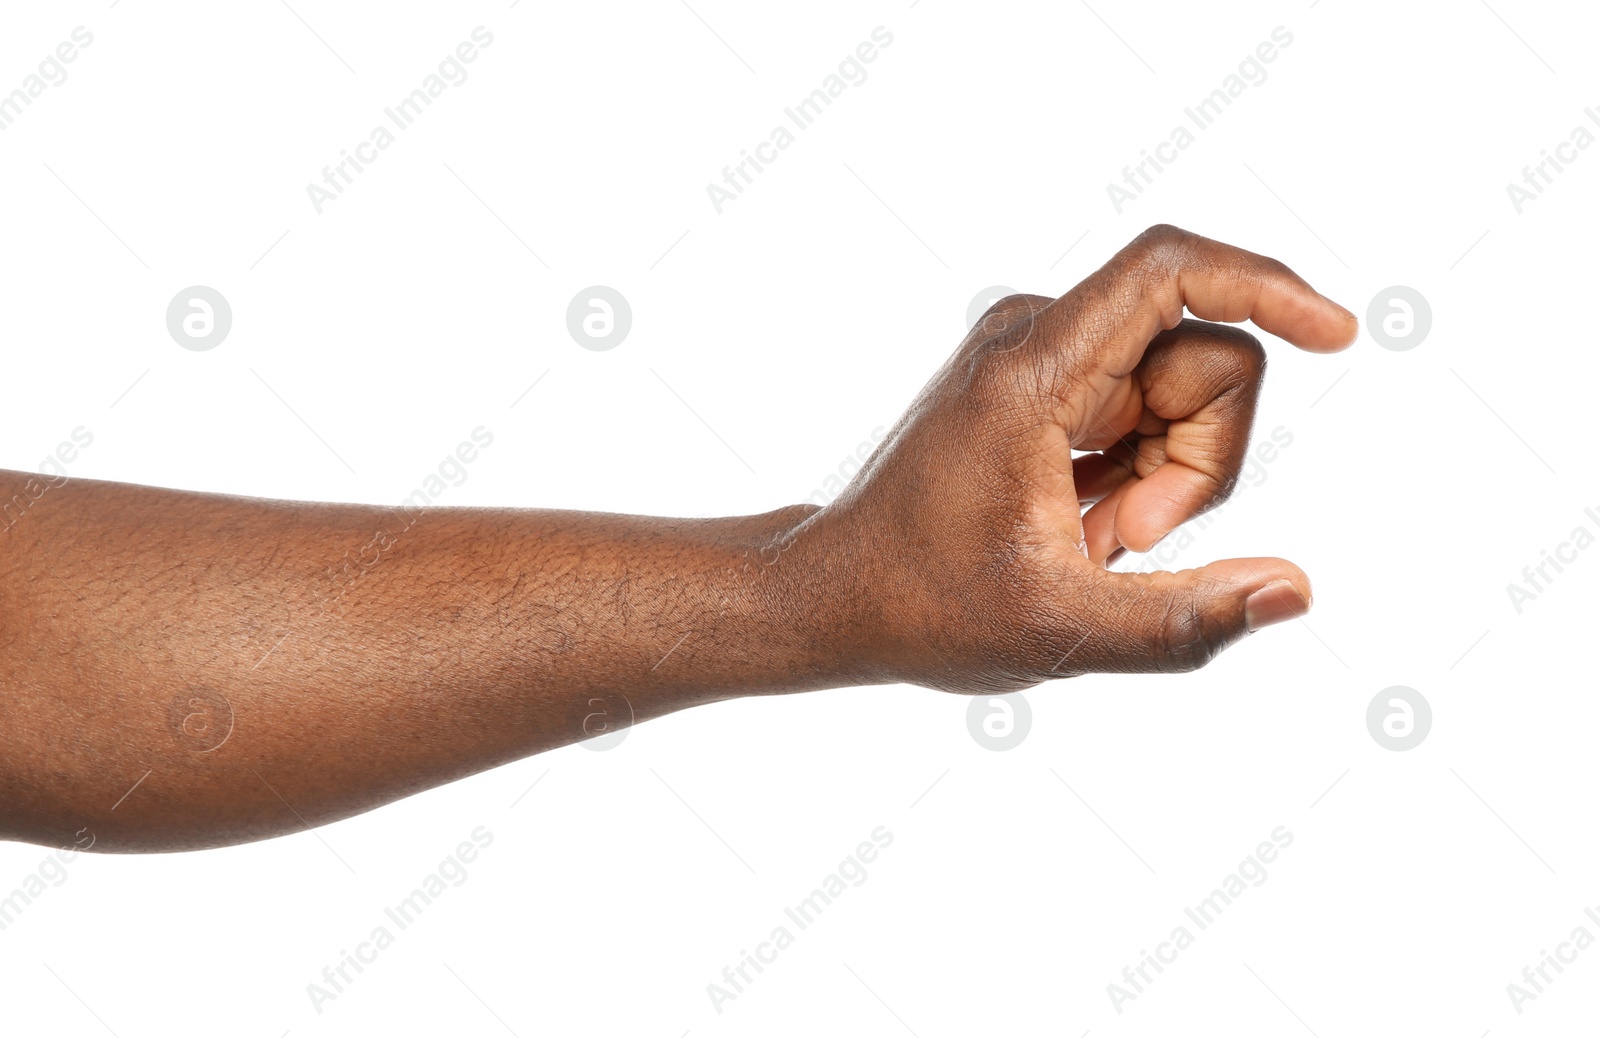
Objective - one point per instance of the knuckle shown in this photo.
(1014, 302)
(1164, 232)
(1006, 313)
(1162, 246)
(1006, 376)
(1184, 641)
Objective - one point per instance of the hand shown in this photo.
(962, 548)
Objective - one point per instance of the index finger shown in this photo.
(1117, 310)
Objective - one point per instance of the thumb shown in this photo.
(1181, 621)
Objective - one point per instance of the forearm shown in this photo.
(363, 653)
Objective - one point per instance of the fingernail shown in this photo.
(1273, 604)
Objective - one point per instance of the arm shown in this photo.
(269, 665)
(256, 655)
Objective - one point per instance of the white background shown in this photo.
(768, 341)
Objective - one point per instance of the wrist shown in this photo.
(820, 596)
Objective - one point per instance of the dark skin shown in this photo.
(230, 651)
